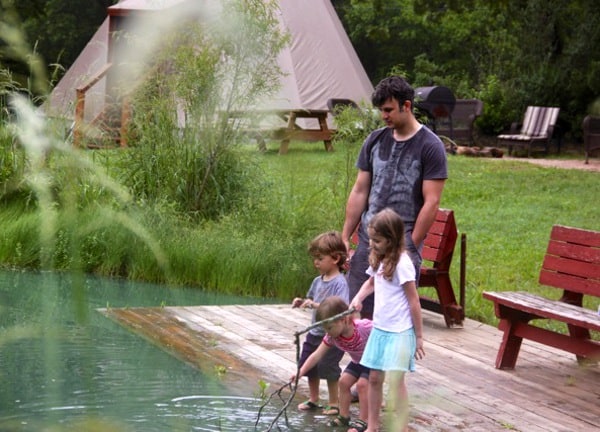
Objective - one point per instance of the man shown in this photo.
(402, 166)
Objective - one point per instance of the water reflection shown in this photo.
(65, 367)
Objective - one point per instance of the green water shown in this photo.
(66, 367)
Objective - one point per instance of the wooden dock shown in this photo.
(455, 388)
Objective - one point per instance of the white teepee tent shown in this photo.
(318, 64)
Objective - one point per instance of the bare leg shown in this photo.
(332, 387)
(362, 386)
(398, 400)
(313, 391)
(313, 388)
(346, 382)
(376, 378)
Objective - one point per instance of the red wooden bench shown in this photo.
(572, 264)
(435, 270)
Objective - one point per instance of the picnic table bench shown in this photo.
(295, 132)
(572, 264)
(437, 253)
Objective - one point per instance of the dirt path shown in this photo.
(593, 165)
(573, 150)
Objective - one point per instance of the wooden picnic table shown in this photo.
(291, 130)
(295, 132)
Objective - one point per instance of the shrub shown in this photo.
(185, 143)
(497, 107)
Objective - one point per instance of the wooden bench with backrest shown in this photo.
(437, 254)
(571, 264)
(536, 129)
(461, 124)
(438, 250)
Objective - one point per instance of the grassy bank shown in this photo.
(506, 208)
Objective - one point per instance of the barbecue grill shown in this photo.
(437, 102)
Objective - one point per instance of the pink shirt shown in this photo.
(355, 344)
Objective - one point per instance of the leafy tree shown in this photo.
(57, 30)
(510, 53)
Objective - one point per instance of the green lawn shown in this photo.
(506, 208)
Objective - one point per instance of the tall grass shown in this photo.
(506, 208)
(63, 209)
(185, 144)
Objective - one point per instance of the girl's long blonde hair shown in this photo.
(388, 224)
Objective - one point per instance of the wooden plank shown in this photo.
(583, 269)
(456, 386)
(478, 377)
(500, 411)
(482, 344)
(570, 283)
(576, 235)
(473, 357)
(301, 134)
(545, 308)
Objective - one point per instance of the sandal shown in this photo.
(331, 410)
(308, 406)
(339, 421)
(357, 426)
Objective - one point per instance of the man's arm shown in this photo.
(357, 202)
(432, 195)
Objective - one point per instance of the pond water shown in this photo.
(66, 367)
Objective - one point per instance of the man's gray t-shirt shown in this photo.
(398, 169)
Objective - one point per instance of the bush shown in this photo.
(185, 145)
(497, 108)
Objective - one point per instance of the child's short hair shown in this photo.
(329, 307)
(329, 243)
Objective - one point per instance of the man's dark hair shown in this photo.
(393, 87)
